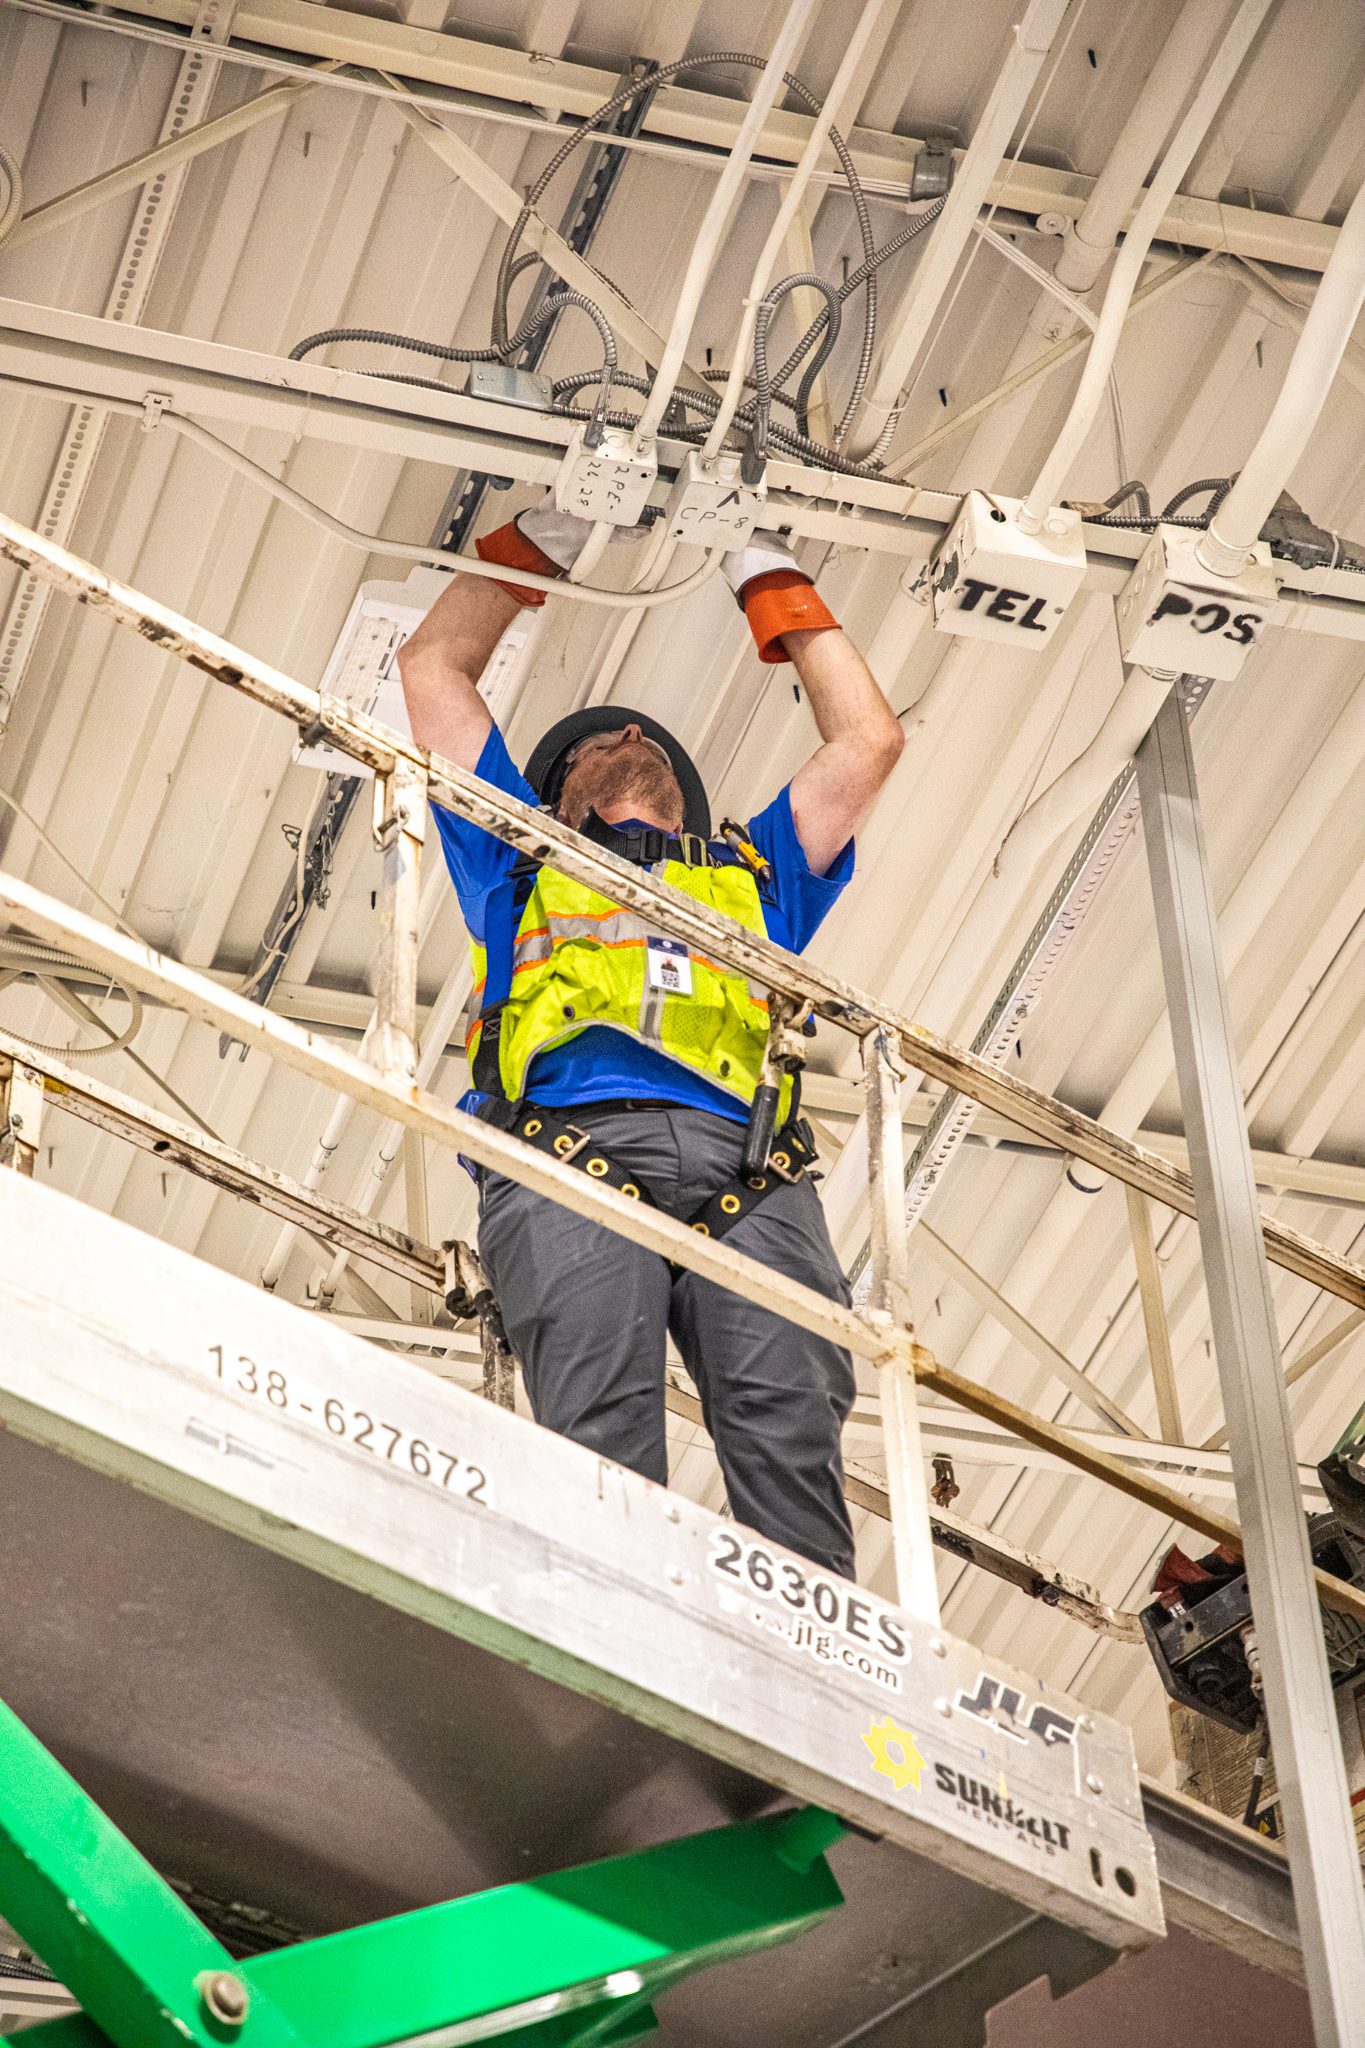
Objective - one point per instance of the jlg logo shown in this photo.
(1003, 1707)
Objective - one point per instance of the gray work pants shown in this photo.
(586, 1312)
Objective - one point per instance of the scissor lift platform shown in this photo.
(335, 1639)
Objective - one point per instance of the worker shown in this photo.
(636, 1058)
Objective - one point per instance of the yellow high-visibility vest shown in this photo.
(579, 959)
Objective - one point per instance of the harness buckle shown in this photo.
(566, 1148)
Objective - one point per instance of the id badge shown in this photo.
(669, 967)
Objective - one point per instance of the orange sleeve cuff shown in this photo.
(509, 548)
(783, 601)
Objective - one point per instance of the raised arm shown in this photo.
(862, 738)
(861, 743)
(441, 663)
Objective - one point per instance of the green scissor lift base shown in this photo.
(556, 1962)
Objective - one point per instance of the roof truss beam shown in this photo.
(522, 80)
(81, 356)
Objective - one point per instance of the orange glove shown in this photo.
(775, 595)
(511, 548)
(545, 541)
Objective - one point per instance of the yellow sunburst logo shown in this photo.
(895, 1753)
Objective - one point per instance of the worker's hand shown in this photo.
(775, 595)
(544, 540)
(563, 535)
(761, 555)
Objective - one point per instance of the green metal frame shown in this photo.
(569, 1961)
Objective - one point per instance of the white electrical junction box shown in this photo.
(611, 481)
(710, 506)
(362, 669)
(1176, 615)
(991, 581)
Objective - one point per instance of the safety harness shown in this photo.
(783, 1161)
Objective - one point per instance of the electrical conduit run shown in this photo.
(1236, 526)
(1089, 240)
(1033, 38)
(1213, 88)
(876, 18)
(719, 213)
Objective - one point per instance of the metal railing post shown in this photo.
(400, 816)
(889, 1304)
(1323, 1858)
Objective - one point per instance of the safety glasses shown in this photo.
(606, 742)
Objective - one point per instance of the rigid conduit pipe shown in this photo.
(1236, 526)
(1222, 69)
(717, 217)
(877, 15)
(972, 179)
(1089, 240)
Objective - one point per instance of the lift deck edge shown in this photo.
(511, 1538)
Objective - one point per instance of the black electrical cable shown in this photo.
(1144, 525)
(1133, 490)
(1219, 485)
(1258, 1768)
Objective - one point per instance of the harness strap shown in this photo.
(549, 1131)
(793, 1152)
(546, 1130)
(502, 920)
(649, 844)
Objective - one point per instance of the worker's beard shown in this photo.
(628, 776)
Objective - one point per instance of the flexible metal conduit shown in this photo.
(1237, 524)
(718, 214)
(1222, 69)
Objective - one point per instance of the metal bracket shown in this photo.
(154, 404)
(400, 806)
(931, 174)
(21, 1101)
(213, 21)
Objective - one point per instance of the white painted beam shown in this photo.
(885, 161)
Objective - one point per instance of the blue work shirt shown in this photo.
(600, 1064)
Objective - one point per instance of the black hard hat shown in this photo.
(545, 769)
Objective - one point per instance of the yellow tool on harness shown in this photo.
(744, 849)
